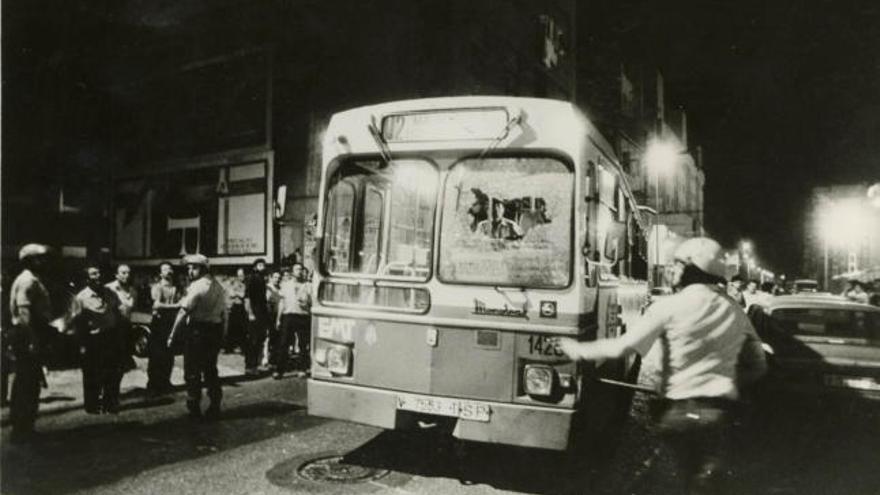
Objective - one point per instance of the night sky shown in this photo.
(782, 95)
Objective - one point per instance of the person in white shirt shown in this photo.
(709, 350)
(202, 309)
(294, 320)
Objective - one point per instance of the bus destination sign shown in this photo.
(446, 125)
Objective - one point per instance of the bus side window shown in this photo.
(370, 254)
(339, 227)
(607, 211)
(638, 258)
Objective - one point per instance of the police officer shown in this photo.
(100, 325)
(30, 310)
(709, 348)
(201, 310)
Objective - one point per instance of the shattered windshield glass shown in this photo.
(507, 221)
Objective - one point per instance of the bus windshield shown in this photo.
(380, 219)
(507, 221)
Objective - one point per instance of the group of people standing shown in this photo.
(863, 292)
(197, 320)
(749, 293)
(100, 318)
(269, 316)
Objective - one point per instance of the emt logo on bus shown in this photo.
(337, 329)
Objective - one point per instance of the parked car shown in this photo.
(805, 285)
(140, 333)
(821, 343)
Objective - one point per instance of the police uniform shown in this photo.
(27, 294)
(99, 323)
(704, 347)
(204, 305)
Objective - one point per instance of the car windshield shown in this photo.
(846, 323)
(507, 221)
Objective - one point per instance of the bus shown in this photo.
(459, 237)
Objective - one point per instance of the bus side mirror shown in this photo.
(280, 201)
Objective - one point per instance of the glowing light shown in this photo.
(661, 156)
(874, 195)
(843, 223)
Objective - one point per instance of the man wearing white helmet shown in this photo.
(708, 350)
(202, 309)
(30, 308)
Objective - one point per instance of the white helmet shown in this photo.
(32, 250)
(703, 253)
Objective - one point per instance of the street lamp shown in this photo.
(842, 223)
(746, 255)
(660, 159)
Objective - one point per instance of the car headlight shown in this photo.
(339, 359)
(538, 380)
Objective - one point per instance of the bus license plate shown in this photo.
(442, 406)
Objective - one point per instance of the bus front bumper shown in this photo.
(512, 424)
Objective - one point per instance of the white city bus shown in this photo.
(458, 237)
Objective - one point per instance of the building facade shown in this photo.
(206, 118)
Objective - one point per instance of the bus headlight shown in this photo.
(538, 380)
(320, 356)
(339, 359)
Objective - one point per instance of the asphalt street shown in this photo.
(266, 443)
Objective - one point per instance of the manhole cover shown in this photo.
(333, 469)
(327, 473)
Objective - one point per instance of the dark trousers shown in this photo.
(161, 357)
(25, 392)
(293, 326)
(200, 349)
(236, 329)
(273, 341)
(5, 371)
(256, 337)
(698, 432)
(102, 370)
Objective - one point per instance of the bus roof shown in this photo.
(552, 124)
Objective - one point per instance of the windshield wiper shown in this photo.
(515, 120)
(380, 141)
